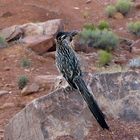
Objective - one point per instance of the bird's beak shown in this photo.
(74, 33)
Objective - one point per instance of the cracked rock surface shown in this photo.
(64, 115)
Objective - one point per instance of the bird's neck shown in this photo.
(63, 45)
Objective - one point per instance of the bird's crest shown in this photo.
(65, 35)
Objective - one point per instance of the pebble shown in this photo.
(88, 1)
(3, 92)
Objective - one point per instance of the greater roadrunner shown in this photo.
(68, 65)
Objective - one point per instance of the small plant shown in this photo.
(134, 63)
(3, 43)
(89, 26)
(25, 63)
(134, 27)
(22, 81)
(104, 57)
(101, 39)
(110, 10)
(103, 25)
(86, 14)
(123, 6)
(2, 40)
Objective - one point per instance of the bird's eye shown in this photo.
(63, 37)
(59, 39)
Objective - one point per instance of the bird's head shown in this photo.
(65, 36)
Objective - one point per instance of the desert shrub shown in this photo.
(89, 26)
(134, 63)
(3, 42)
(134, 27)
(103, 25)
(104, 57)
(22, 81)
(123, 6)
(110, 10)
(102, 39)
(25, 63)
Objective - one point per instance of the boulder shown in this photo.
(136, 47)
(6, 14)
(12, 33)
(50, 82)
(64, 115)
(88, 1)
(7, 105)
(137, 5)
(52, 27)
(3, 92)
(134, 63)
(59, 114)
(29, 89)
(37, 36)
(44, 80)
(118, 15)
(39, 43)
(115, 91)
(1, 134)
(7, 69)
(50, 55)
(32, 29)
(126, 44)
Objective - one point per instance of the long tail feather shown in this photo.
(92, 104)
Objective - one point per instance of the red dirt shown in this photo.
(72, 12)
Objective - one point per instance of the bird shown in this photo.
(69, 66)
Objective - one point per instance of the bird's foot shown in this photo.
(69, 88)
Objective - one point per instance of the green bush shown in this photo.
(25, 63)
(110, 10)
(3, 42)
(123, 6)
(103, 25)
(22, 81)
(104, 57)
(89, 26)
(134, 27)
(102, 39)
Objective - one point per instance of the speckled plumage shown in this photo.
(69, 67)
(67, 62)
